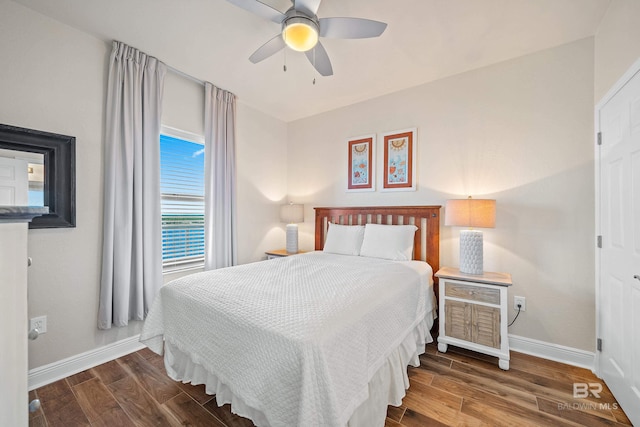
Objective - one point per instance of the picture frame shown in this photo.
(361, 163)
(398, 160)
(59, 154)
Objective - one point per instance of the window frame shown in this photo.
(185, 264)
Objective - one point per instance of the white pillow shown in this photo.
(344, 239)
(394, 242)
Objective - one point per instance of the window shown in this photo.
(182, 188)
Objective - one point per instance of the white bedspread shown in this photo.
(297, 338)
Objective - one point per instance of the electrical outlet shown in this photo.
(520, 300)
(39, 323)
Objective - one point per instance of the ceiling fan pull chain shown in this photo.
(314, 64)
(284, 67)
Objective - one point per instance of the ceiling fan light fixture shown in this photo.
(300, 33)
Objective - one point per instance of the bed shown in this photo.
(316, 339)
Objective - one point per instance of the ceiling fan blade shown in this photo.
(320, 60)
(266, 50)
(350, 28)
(260, 9)
(310, 7)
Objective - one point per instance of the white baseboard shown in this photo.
(559, 353)
(52, 372)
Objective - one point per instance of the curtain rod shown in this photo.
(170, 68)
(185, 75)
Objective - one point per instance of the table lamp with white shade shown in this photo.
(472, 213)
(291, 215)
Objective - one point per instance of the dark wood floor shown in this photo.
(459, 388)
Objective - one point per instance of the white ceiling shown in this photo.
(425, 40)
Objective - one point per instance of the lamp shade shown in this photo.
(476, 213)
(292, 214)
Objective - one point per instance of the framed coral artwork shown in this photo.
(399, 154)
(361, 175)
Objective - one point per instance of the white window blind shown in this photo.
(182, 187)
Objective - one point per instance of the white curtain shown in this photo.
(220, 178)
(132, 233)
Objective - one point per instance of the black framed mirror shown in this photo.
(58, 172)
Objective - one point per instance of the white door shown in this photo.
(618, 302)
(14, 182)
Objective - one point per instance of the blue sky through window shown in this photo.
(182, 166)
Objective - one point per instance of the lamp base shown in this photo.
(471, 258)
(292, 238)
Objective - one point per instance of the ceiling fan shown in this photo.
(301, 29)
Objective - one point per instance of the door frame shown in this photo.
(622, 81)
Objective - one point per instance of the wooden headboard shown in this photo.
(426, 245)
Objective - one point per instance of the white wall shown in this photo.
(53, 78)
(617, 44)
(520, 132)
(262, 183)
(182, 104)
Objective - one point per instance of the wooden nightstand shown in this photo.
(279, 253)
(473, 312)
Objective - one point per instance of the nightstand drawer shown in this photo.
(472, 293)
